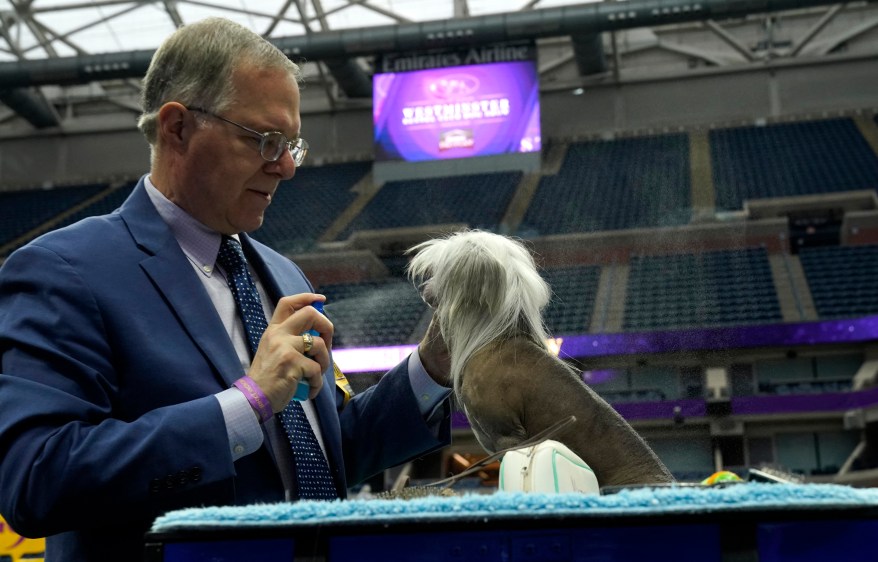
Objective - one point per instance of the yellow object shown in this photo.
(342, 383)
(19, 548)
(721, 477)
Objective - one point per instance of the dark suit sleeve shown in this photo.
(383, 427)
(72, 453)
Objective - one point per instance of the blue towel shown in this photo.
(642, 501)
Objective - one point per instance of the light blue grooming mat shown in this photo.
(503, 505)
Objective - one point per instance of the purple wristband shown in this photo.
(256, 397)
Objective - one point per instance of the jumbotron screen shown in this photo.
(456, 112)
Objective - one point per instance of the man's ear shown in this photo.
(175, 126)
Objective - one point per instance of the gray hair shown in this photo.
(194, 67)
(483, 288)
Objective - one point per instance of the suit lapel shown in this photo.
(196, 312)
(166, 264)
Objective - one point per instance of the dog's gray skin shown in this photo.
(487, 297)
(515, 389)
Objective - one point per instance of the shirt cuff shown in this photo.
(242, 425)
(429, 394)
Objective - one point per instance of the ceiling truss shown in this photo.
(27, 33)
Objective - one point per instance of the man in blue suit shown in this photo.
(132, 382)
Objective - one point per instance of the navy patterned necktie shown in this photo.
(313, 479)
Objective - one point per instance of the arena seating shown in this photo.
(305, 206)
(22, 211)
(387, 311)
(608, 184)
(479, 200)
(613, 185)
(842, 279)
(710, 289)
(107, 204)
(801, 158)
(373, 313)
(573, 295)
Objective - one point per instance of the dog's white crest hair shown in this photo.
(483, 287)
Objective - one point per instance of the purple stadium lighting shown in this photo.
(853, 330)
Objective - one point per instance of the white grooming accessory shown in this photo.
(548, 467)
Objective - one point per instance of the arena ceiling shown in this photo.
(58, 29)
(53, 28)
(64, 33)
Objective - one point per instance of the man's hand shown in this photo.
(280, 362)
(434, 355)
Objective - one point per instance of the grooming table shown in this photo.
(746, 522)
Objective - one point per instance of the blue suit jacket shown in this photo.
(111, 353)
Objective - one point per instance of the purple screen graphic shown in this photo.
(852, 330)
(457, 112)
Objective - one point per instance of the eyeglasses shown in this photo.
(272, 143)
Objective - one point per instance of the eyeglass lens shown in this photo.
(273, 145)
